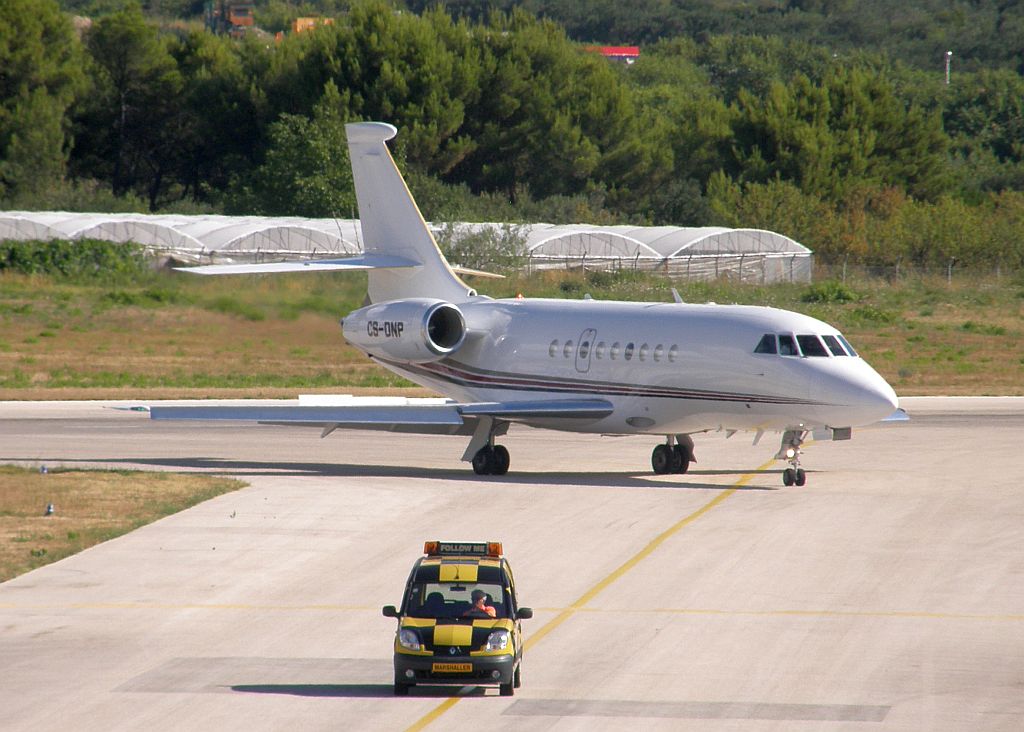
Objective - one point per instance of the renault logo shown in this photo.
(453, 651)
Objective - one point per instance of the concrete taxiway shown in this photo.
(887, 594)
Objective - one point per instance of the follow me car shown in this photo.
(459, 620)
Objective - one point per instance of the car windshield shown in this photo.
(453, 599)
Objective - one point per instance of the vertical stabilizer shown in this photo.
(392, 223)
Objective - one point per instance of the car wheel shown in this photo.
(517, 677)
(401, 689)
(507, 689)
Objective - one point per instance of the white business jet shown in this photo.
(612, 368)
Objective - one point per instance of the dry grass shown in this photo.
(90, 507)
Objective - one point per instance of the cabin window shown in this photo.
(644, 349)
(834, 345)
(615, 350)
(599, 350)
(659, 351)
(628, 354)
(567, 350)
(673, 353)
(787, 346)
(846, 345)
(811, 346)
(553, 349)
(767, 344)
(584, 350)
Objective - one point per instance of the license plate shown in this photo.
(452, 668)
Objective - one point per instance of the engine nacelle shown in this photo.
(415, 330)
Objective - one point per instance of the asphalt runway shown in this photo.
(886, 594)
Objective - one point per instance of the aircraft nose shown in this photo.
(880, 394)
(861, 395)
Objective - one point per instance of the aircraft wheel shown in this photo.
(801, 477)
(483, 461)
(680, 458)
(501, 460)
(788, 476)
(661, 459)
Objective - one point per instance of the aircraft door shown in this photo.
(584, 350)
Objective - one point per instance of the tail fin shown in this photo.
(393, 225)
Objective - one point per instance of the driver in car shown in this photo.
(480, 608)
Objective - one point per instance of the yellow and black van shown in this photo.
(459, 619)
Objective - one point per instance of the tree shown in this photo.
(132, 122)
(40, 61)
(225, 117)
(776, 206)
(848, 131)
(306, 171)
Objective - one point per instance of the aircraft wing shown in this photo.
(432, 417)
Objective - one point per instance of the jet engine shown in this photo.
(416, 330)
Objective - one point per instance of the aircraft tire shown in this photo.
(801, 477)
(661, 459)
(680, 459)
(483, 461)
(788, 476)
(502, 460)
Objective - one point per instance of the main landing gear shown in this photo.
(491, 460)
(674, 456)
(790, 450)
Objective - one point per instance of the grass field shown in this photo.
(176, 335)
(89, 507)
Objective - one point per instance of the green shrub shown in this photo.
(828, 292)
(84, 260)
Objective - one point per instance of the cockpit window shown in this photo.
(787, 346)
(767, 344)
(833, 345)
(811, 346)
(846, 344)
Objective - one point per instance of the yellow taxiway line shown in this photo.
(594, 591)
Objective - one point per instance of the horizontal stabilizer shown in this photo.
(368, 261)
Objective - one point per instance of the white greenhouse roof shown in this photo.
(199, 237)
(665, 242)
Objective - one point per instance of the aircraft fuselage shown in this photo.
(666, 367)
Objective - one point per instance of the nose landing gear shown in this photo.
(790, 450)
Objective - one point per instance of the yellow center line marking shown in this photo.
(594, 591)
(809, 613)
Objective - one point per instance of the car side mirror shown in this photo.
(524, 613)
(389, 611)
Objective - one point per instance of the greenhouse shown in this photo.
(751, 255)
